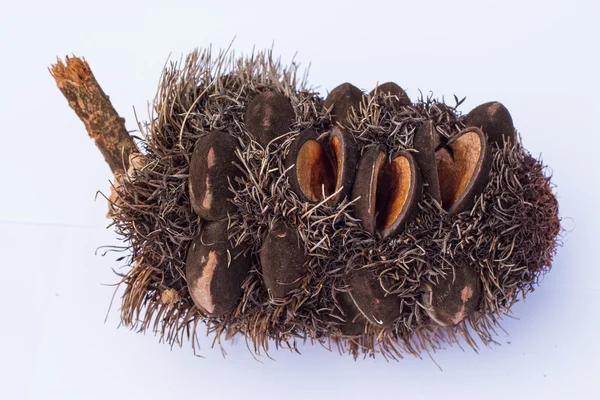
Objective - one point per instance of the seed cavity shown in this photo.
(323, 167)
(463, 167)
(387, 193)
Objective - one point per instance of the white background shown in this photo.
(540, 58)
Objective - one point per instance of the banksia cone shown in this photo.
(384, 225)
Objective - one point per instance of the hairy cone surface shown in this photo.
(511, 231)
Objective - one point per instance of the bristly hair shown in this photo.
(510, 235)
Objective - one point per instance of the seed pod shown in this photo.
(424, 143)
(215, 270)
(495, 121)
(454, 297)
(463, 169)
(377, 306)
(390, 88)
(318, 169)
(446, 175)
(389, 193)
(341, 101)
(211, 169)
(269, 115)
(282, 260)
(354, 322)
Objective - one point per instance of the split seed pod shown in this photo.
(495, 121)
(269, 115)
(454, 297)
(377, 306)
(215, 270)
(282, 260)
(388, 193)
(425, 144)
(341, 101)
(463, 168)
(391, 88)
(318, 169)
(211, 169)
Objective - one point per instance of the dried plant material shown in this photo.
(446, 174)
(508, 236)
(136, 163)
(322, 169)
(212, 171)
(282, 261)
(387, 193)
(350, 321)
(269, 116)
(215, 270)
(169, 297)
(85, 96)
(454, 297)
(495, 121)
(463, 168)
(342, 102)
(372, 300)
(395, 92)
(425, 144)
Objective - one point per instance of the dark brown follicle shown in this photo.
(282, 260)
(495, 121)
(269, 116)
(343, 150)
(374, 303)
(387, 194)
(322, 168)
(425, 143)
(364, 191)
(463, 168)
(350, 320)
(454, 297)
(447, 176)
(400, 98)
(341, 101)
(212, 168)
(215, 270)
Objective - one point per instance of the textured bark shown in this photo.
(93, 107)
